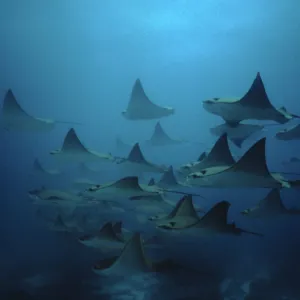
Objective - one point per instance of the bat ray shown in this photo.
(38, 168)
(112, 236)
(237, 133)
(219, 155)
(184, 213)
(74, 150)
(127, 187)
(136, 162)
(127, 234)
(15, 118)
(140, 106)
(250, 170)
(255, 105)
(44, 196)
(289, 134)
(269, 206)
(161, 138)
(168, 179)
(132, 261)
(106, 238)
(214, 221)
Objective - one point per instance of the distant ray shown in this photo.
(183, 215)
(214, 221)
(74, 150)
(107, 238)
(219, 155)
(161, 138)
(126, 187)
(249, 171)
(15, 118)
(289, 134)
(237, 133)
(270, 206)
(141, 108)
(168, 179)
(136, 162)
(131, 262)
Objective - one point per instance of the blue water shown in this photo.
(77, 61)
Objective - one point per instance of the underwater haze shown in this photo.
(150, 149)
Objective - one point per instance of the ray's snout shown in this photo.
(208, 102)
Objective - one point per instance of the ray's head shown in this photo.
(93, 188)
(34, 194)
(246, 212)
(195, 175)
(85, 239)
(154, 218)
(210, 104)
(185, 169)
(168, 225)
(53, 152)
(124, 113)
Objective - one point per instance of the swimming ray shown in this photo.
(250, 170)
(132, 261)
(289, 134)
(184, 214)
(136, 162)
(140, 106)
(107, 238)
(161, 138)
(127, 187)
(216, 217)
(270, 206)
(255, 104)
(168, 179)
(219, 155)
(237, 133)
(15, 118)
(214, 221)
(73, 150)
(44, 196)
